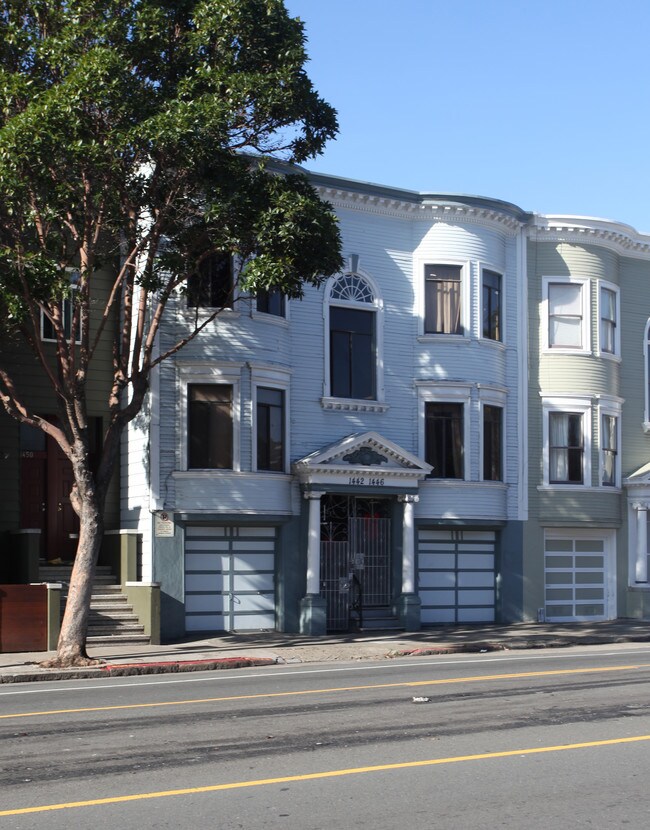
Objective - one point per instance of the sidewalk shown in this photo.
(266, 648)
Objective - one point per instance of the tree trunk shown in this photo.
(71, 649)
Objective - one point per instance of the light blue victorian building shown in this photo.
(403, 446)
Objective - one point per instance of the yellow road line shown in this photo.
(299, 692)
(312, 776)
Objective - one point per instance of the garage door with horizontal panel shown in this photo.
(577, 576)
(229, 578)
(456, 576)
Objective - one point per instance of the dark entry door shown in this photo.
(45, 486)
(355, 557)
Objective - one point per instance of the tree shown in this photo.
(137, 134)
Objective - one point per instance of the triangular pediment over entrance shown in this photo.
(640, 477)
(364, 459)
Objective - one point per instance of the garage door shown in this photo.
(456, 576)
(577, 576)
(229, 578)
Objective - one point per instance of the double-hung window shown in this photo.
(491, 300)
(211, 286)
(444, 439)
(352, 353)
(210, 426)
(270, 429)
(609, 449)
(492, 443)
(48, 333)
(271, 301)
(609, 319)
(566, 448)
(567, 314)
(443, 299)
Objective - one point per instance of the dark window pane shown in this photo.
(444, 439)
(352, 353)
(270, 429)
(566, 448)
(271, 302)
(492, 452)
(211, 286)
(491, 305)
(210, 426)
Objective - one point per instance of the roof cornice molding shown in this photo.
(587, 230)
(420, 208)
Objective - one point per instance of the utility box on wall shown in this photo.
(23, 618)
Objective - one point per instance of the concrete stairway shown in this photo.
(380, 619)
(112, 620)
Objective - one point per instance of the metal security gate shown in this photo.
(229, 578)
(355, 558)
(457, 576)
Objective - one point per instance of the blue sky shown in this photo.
(544, 105)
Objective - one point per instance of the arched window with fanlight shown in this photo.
(353, 339)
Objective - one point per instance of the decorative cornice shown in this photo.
(588, 230)
(422, 207)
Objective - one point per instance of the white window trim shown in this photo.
(646, 376)
(202, 373)
(465, 307)
(377, 307)
(586, 315)
(445, 393)
(484, 266)
(492, 396)
(616, 354)
(609, 407)
(270, 378)
(273, 319)
(567, 405)
(65, 302)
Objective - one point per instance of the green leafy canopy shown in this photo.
(126, 123)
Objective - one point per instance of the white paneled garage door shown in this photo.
(229, 578)
(456, 576)
(578, 575)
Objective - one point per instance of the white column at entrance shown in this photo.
(313, 544)
(408, 544)
(641, 564)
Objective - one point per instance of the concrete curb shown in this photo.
(134, 669)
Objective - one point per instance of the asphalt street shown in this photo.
(534, 739)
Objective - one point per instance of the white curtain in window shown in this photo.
(447, 307)
(559, 442)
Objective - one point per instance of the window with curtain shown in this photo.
(444, 439)
(492, 443)
(607, 321)
(565, 315)
(491, 305)
(210, 426)
(566, 448)
(442, 299)
(609, 449)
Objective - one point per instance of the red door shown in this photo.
(62, 521)
(45, 485)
